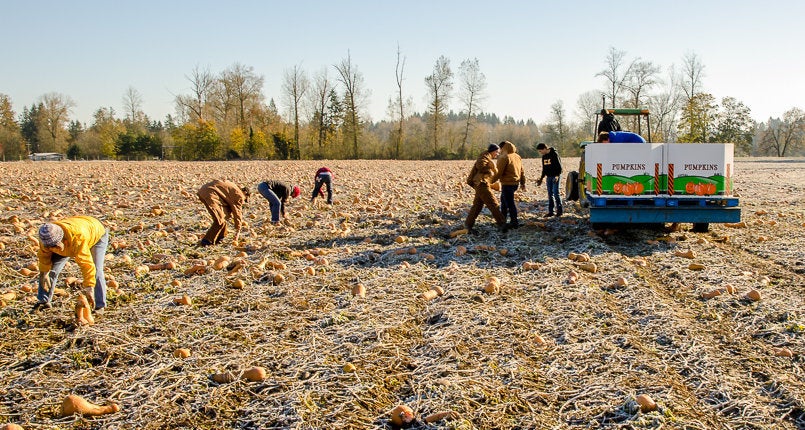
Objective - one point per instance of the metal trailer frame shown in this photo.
(696, 210)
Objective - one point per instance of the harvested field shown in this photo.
(540, 351)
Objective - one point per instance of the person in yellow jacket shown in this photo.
(222, 200)
(480, 178)
(512, 177)
(84, 239)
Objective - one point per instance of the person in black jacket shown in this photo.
(551, 169)
(277, 194)
(608, 122)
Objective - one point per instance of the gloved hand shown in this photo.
(44, 281)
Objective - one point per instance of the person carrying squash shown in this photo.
(84, 239)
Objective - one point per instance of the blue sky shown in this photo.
(533, 53)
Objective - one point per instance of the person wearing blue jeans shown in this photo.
(277, 194)
(324, 177)
(512, 177)
(552, 170)
(83, 238)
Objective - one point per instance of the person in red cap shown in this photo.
(83, 238)
(222, 199)
(324, 177)
(277, 194)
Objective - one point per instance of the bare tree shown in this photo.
(133, 105)
(354, 94)
(56, 110)
(558, 126)
(319, 100)
(642, 77)
(664, 107)
(400, 102)
(615, 72)
(294, 86)
(692, 74)
(587, 105)
(202, 84)
(440, 85)
(782, 136)
(472, 94)
(243, 87)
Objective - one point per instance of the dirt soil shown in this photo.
(554, 346)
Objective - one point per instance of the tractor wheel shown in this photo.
(572, 186)
(701, 227)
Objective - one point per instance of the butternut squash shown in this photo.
(237, 284)
(783, 352)
(686, 254)
(428, 295)
(402, 415)
(753, 295)
(438, 416)
(647, 404)
(83, 313)
(254, 374)
(711, 294)
(456, 233)
(588, 267)
(184, 300)
(170, 265)
(223, 378)
(359, 290)
(74, 404)
(196, 269)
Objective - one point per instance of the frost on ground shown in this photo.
(554, 345)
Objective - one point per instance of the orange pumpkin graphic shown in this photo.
(690, 188)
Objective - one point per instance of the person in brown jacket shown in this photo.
(511, 176)
(222, 199)
(480, 178)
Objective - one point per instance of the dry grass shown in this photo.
(707, 363)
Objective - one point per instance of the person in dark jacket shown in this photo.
(552, 170)
(277, 194)
(608, 122)
(324, 177)
(222, 199)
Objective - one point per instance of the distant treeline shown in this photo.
(226, 116)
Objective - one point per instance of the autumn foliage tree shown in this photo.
(697, 119)
(11, 143)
